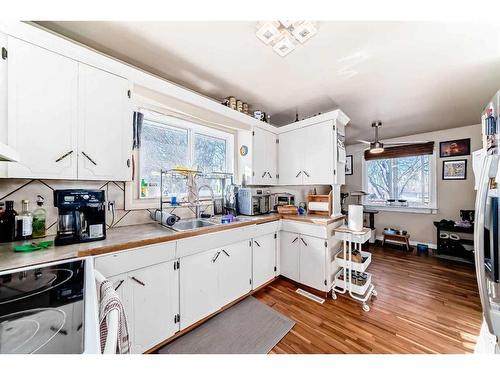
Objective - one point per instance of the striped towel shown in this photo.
(111, 301)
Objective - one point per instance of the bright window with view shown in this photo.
(167, 142)
(406, 180)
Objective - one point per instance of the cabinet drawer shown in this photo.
(197, 244)
(314, 230)
(125, 261)
(266, 228)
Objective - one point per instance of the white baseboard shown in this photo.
(412, 243)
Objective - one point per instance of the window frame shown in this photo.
(132, 188)
(432, 207)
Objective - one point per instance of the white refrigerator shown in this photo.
(486, 227)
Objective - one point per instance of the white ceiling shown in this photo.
(414, 76)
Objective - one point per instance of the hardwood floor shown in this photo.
(424, 305)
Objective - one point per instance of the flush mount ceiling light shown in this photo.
(284, 35)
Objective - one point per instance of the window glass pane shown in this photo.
(405, 178)
(210, 156)
(162, 147)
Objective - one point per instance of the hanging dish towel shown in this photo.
(111, 301)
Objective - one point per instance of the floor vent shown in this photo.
(310, 296)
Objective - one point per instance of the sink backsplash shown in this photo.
(19, 189)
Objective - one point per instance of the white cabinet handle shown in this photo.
(225, 252)
(304, 242)
(258, 244)
(214, 259)
(307, 174)
(269, 175)
(264, 174)
(298, 174)
(296, 238)
(137, 280)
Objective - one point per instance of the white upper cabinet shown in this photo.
(42, 112)
(105, 126)
(67, 120)
(261, 163)
(290, 157)
(306, 155)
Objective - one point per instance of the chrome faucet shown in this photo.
(212, 195)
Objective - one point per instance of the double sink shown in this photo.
(190, 224)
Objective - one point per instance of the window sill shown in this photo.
(412, 210)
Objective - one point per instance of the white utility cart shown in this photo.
(352, 241)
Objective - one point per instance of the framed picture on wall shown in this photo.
(457, 147)
(348, 165)
(455, 169)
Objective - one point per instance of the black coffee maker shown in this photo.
(82, 216)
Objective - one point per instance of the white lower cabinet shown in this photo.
(199, 286)
(312, 261)
(304, 259)
(212, 279)
(150, 297)
(235, 272)
(289, 255)
(263, 259)
(154, 294)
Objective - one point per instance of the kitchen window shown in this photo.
(402, 183)
(167, 142)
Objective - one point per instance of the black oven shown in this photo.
(42, 309)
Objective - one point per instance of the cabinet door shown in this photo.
(263, 259)
(122, 286)
(235, 272)
(260, 160)
(154, 294)
(289, 255)
(272, 159)
(199, 286)
(317, 151)
(290, 156)
(312, 262)
(105, 126)
(42, 112)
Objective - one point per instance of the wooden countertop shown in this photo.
(129, 237)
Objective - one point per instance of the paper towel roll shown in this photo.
(318, 206)
(355, 217)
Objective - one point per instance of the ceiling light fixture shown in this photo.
(284, 35)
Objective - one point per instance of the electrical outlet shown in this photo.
(111, 205)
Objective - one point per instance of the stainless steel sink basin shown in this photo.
(184, 225)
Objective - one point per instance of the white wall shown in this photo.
(452, 196)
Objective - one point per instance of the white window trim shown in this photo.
(431, 209)
(132, 200)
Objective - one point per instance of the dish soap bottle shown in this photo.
(39, 215)
(24, 222)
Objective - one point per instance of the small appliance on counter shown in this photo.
(254, 201)
(82, 216)
(281, 199)
(230, 200)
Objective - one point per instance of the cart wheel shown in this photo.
(374, 293)
(366, 307)
(334, 296)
